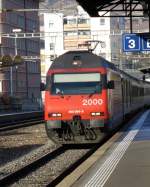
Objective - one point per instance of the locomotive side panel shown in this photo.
(137, 95)
(146, 94)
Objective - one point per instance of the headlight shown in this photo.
(97, 114)
(54, 115)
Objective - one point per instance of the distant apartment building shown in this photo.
(52, 43)
(24, 82)
(79, 31)
(76, 31)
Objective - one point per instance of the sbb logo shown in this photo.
(89, 102)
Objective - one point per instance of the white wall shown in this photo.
(53, 24)
(100, 30)
(53, 29)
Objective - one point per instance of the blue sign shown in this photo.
(146, 43)
(131, 42)
(136, 42)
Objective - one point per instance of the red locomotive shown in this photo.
(87, 95)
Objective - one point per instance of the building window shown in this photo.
(52, 57)
(21, 84)
(103, 44)
(65, 21)
(32, 25)
(51, 24)
(70, 21)
(84, 32)
(51, 46)
(33, 67)
(42, 44)
(102, 21)
(21, 21)
(70, 33)
(83, 21)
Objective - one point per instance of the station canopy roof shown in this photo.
(145, 70)
(126, 8)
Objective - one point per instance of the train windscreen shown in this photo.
(76, 83)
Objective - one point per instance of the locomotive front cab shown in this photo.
(76, 105)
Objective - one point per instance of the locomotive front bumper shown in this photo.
(94, 123)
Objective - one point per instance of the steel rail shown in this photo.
(34, 165)
(22, 172)
(20, 124)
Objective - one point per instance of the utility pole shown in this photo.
(11, 68)
(16, 52)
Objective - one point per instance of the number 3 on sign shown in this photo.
(131, 44)
(89, 102)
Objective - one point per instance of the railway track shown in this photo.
(51, 168)
(42, 168)
(22, 172)
(20, 124)
(18, 120)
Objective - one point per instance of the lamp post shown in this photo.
(11, 68)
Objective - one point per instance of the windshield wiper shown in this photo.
(60, 93)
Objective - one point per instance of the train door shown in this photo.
(115, 98)
(126, 95)
(123, 96)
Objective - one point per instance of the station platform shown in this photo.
(126, 163)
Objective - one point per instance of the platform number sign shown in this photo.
(136, 42)
(131, 42)
(146, 43)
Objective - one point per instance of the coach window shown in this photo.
(130, 92)
(124, 92)
(126, 95)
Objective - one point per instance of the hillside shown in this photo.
(65, 6)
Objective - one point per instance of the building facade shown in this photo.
(22, 81)
(52, 45)
(79, 31)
